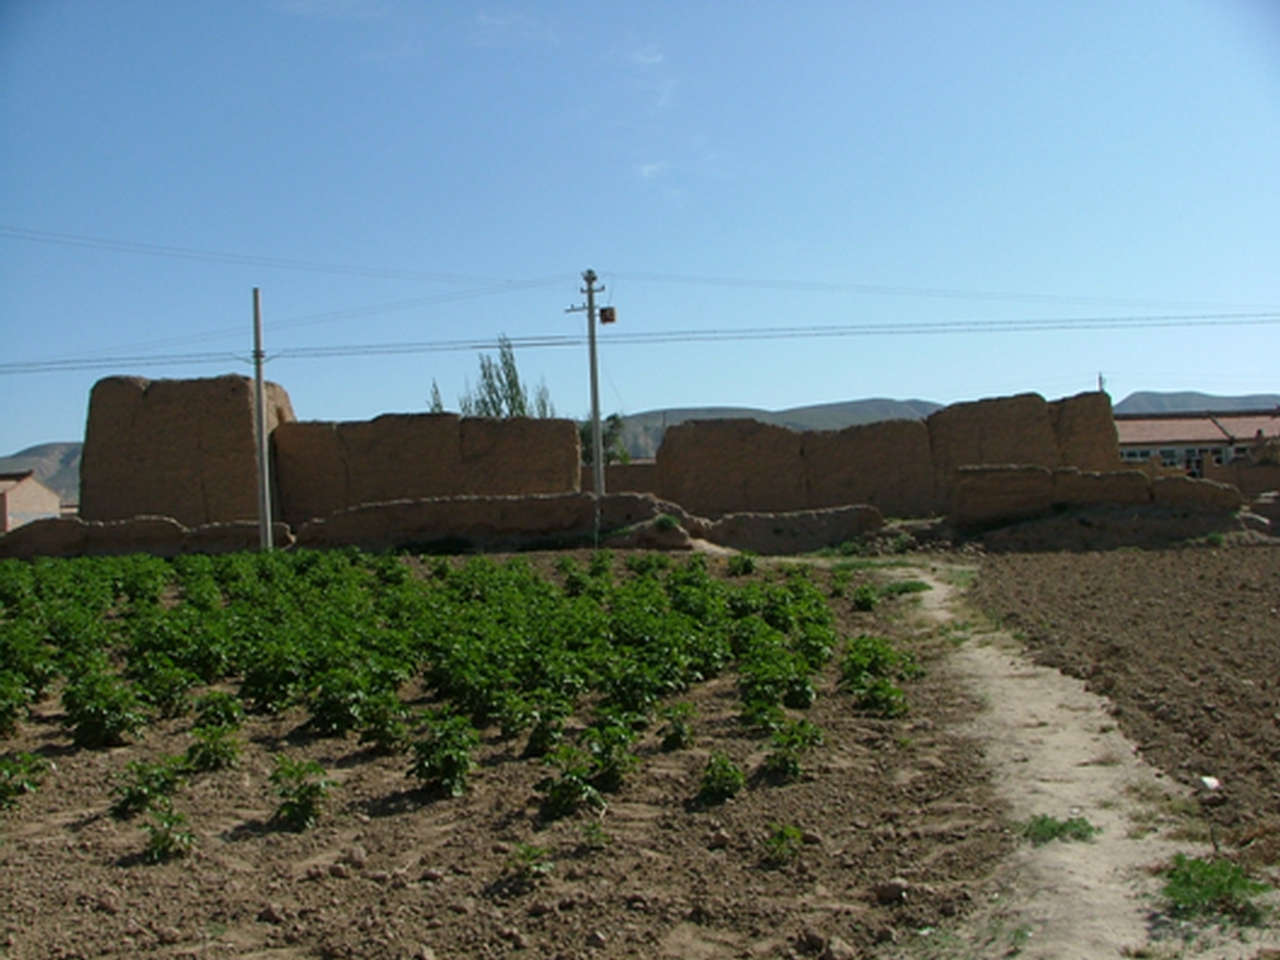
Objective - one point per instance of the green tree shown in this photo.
(610, 440)
(500, 392)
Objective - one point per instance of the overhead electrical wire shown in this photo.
(643, 338)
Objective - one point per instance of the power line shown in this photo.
(238, 259)
(642, 338)
(942, 293)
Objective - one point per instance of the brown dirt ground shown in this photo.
(1184, 642)
(390, 872)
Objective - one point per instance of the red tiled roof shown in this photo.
(1189, 430)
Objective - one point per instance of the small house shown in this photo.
(23, 498)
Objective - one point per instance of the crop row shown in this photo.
(356, 639)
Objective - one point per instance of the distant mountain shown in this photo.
(56, 465)
(642, 432)
(1150, 401)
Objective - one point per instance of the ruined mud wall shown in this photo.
(326, 467)
(638, 476)
(1251, 478)
(181, 448)
(903, 467)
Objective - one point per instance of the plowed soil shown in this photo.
(898, 832)
(1185, 643)
(901, 830)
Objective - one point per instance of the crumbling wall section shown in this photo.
(886, 465)
(180, 448)
(713, 467)
(325, 468)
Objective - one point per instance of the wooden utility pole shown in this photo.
(597, 443)
(265, 538)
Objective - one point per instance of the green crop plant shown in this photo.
(101, 709)
(20, 773)
(165, 687)
(337, 701)
(782, 845)
(570, 789)
(790, 743)
(1195, 887)
(385, 722)
(742, 564)
(443, 758)
(219, 709)
(608, 744)
(144, 783)
(865, 597)
(677, 734)
(15, 695)
(527, 865)
(302, 788)
(1042, 829)
(215, 748)
(166, 838)
(721, 779)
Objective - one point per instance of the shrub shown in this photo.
(443, 758)
(302, 787)
(721, 779)
(665, 522)
(742, 564)
(144, 784)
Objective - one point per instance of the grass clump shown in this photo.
(1195, 887)
(1042, 829)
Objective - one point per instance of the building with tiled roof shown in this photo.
(1190, 440)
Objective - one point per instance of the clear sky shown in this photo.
(390, 171)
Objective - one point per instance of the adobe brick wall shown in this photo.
(325, 467)
(713, 467)
(988, 495)
(1251, 479)
(1084, 428)
(1074, 487)
(638, 476)
(903, 467)
(887, 465)
(181, 448)
(1005, 430)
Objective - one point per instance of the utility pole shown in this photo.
(260, 403)
(597, 444)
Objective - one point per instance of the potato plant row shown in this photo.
(345, 634)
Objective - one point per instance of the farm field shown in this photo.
(612, 844)
(1186, 643)
(561, 713)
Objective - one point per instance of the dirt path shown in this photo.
(1054, 749)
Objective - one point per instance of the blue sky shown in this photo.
(392, 172)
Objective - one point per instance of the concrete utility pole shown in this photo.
(265, 537)
(597, 444)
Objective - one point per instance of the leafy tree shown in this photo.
(500, 392)
(610, 440)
